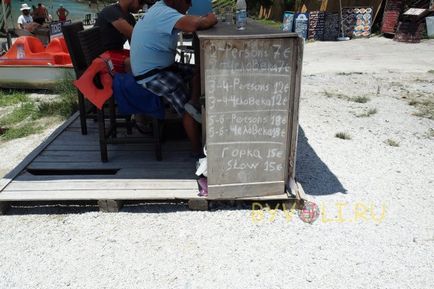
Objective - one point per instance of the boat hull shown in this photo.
(33, 77)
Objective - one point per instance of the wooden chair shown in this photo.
(90, 44)
(70, 34)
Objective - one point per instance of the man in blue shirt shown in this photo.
(153, 50)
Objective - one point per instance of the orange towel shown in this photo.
(96, 95)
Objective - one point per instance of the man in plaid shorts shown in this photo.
(153, 50)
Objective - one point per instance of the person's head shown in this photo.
(179, 5)
(133, 6)
(39, 4)
(25, 9)
(61, 6)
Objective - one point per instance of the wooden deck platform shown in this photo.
(67, 167)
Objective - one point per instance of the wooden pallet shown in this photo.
(67, 167)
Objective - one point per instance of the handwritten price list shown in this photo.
(247, 87)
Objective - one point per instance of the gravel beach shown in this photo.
(375, 190)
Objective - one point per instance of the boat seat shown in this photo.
(33, 44)
(25, 46)
(57, 45)
(29, 50)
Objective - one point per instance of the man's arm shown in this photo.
(123, 27)
(46, 14)
(193, 23)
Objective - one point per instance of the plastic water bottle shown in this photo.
(241, 14)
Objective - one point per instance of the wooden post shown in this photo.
(324, 5)
(110, 206)
(198, 204)
(4, 207)
(275, 12)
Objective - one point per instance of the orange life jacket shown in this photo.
(96, 95)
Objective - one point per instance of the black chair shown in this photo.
(90, 45)
(70, 33)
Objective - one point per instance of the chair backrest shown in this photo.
(70, 33)
(91, 44)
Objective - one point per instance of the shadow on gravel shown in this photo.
(51, 208)
(134, 207)
(312, 173)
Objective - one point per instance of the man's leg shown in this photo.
(192, 129)
(195, 87)
(193, 105)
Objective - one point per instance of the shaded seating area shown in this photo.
(85, 47)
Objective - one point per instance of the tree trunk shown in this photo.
(276, 11)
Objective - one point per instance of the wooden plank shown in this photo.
(21, 166)
(241, 190)
(294, 107)
(146, 165)
(131, 173)
(104, 194)
(115, 156)
(125, 174)
(279, 197)
(167, 146)
(75, 138)
(120, 184)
